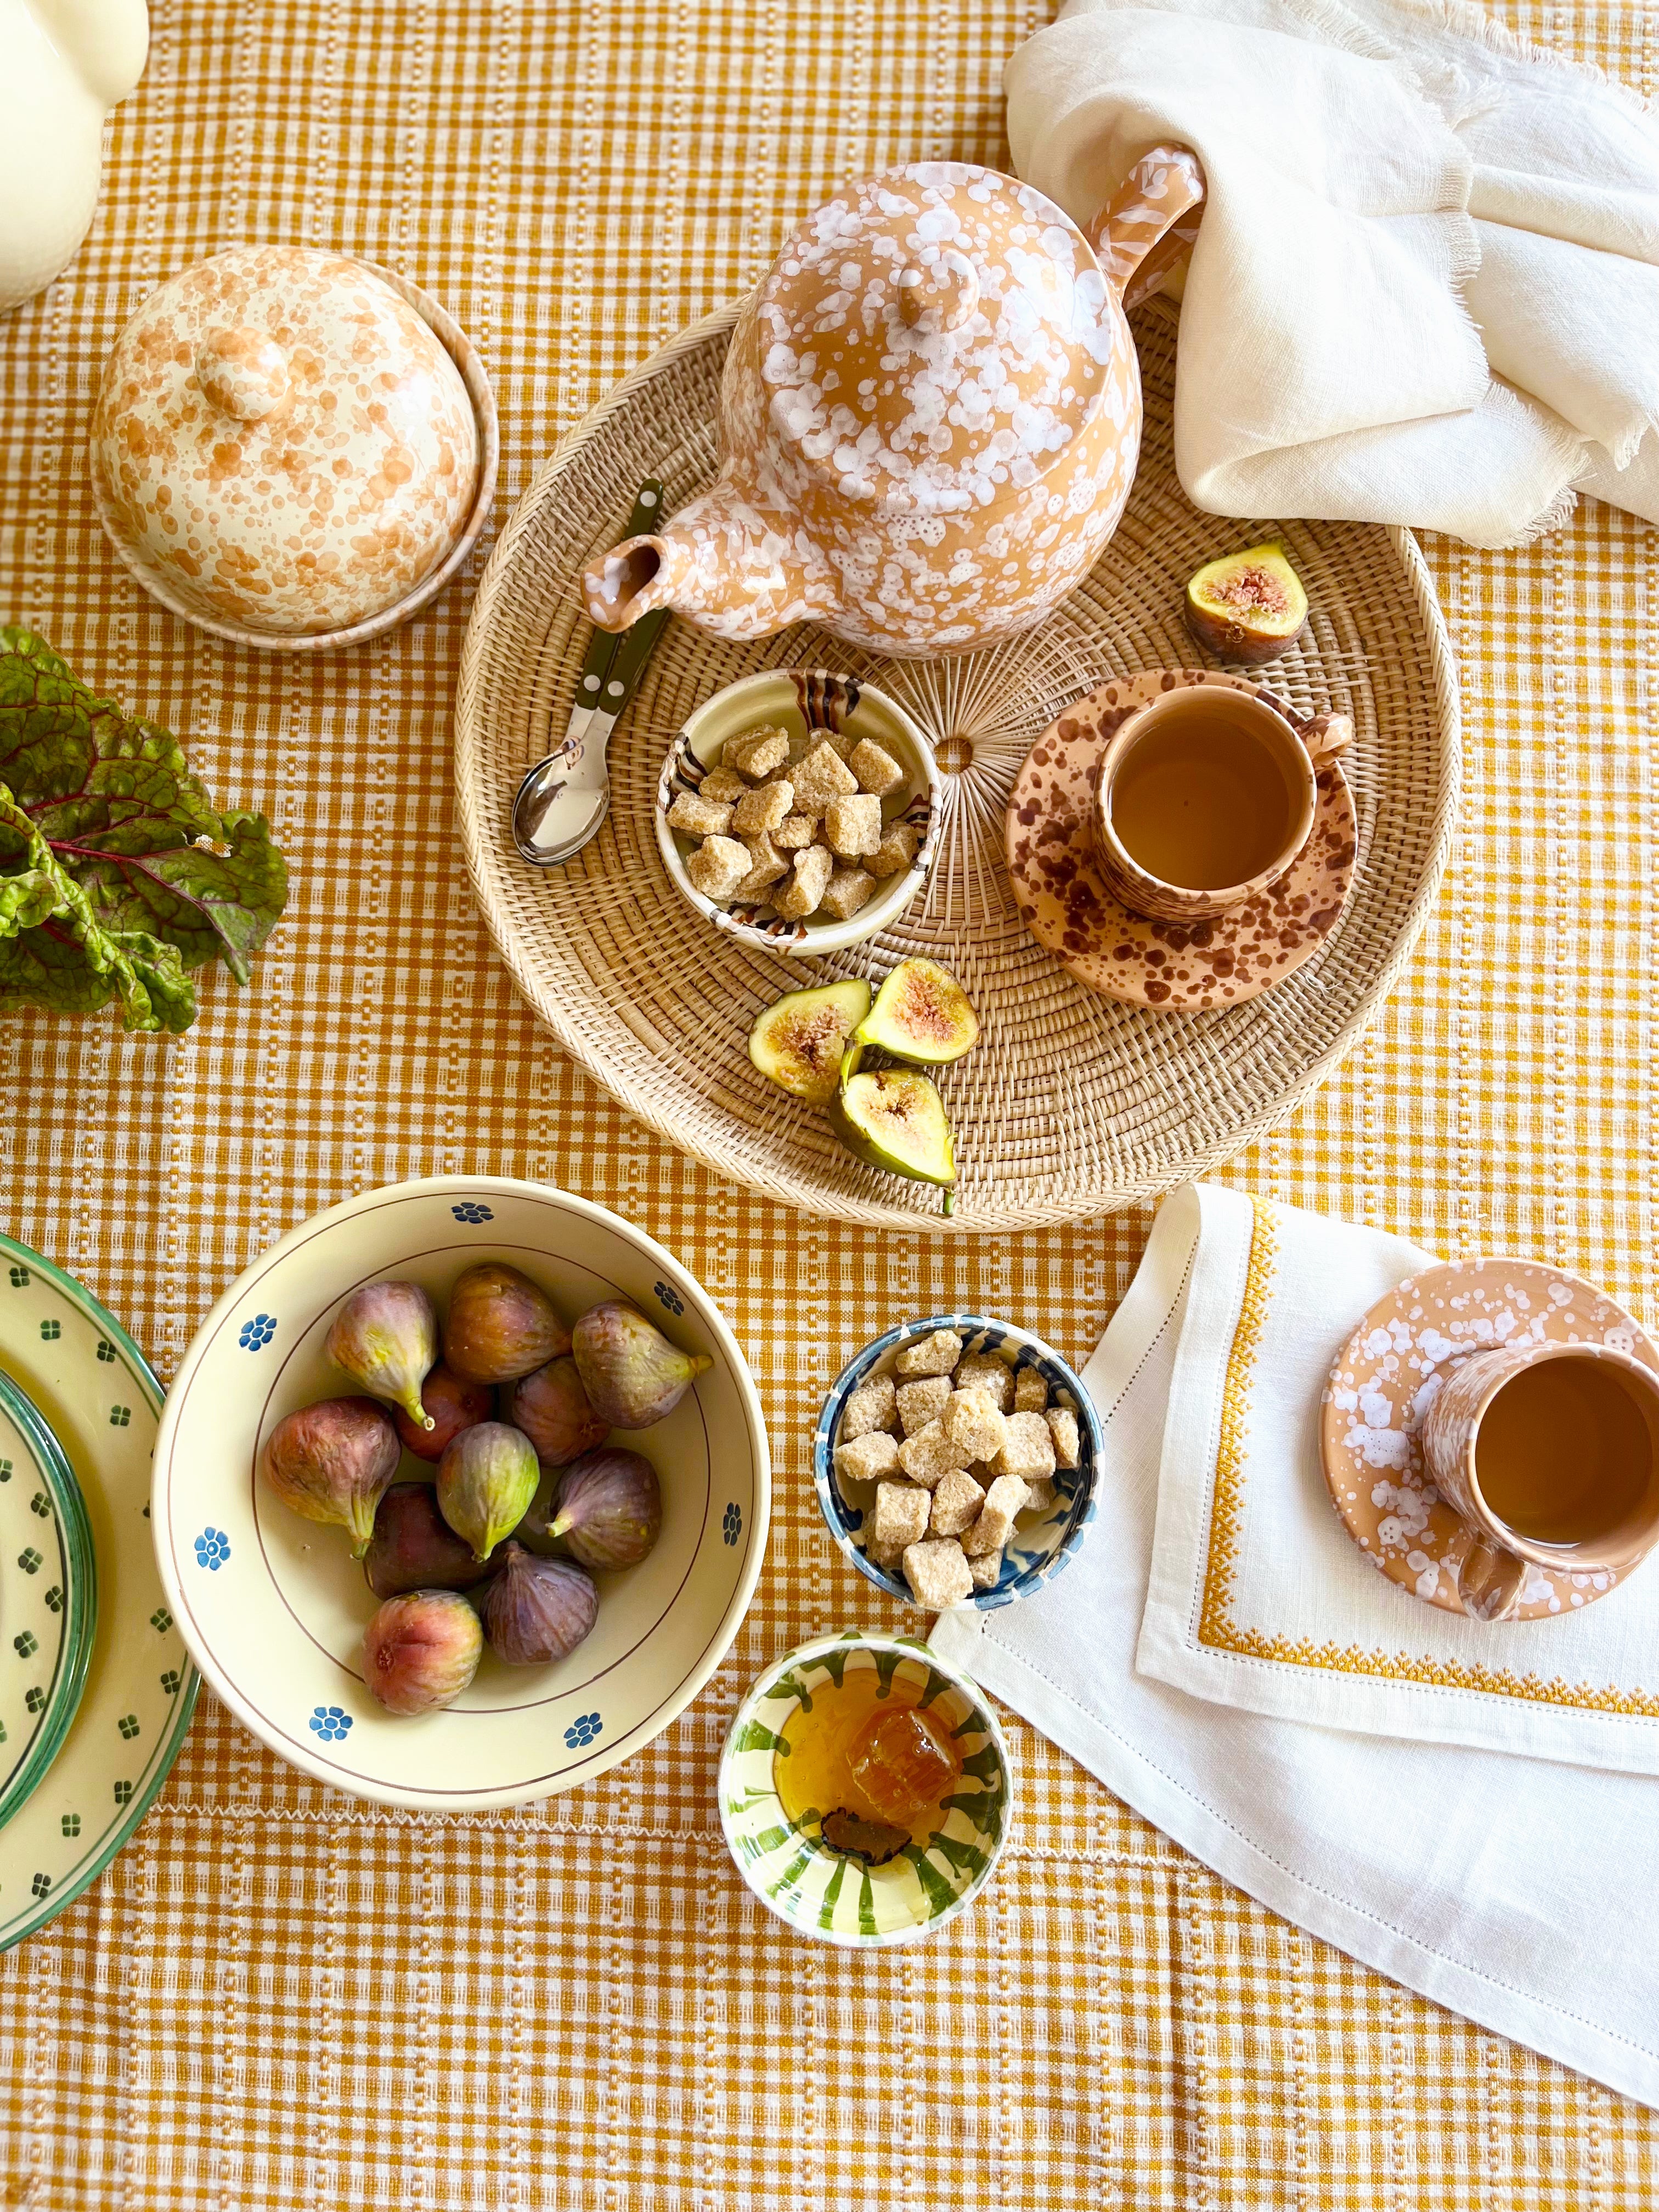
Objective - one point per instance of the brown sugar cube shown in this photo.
(717, 867)
(795, 833)
(847, 892)
(867, 1457)
(929, 1456)
(763, 808)
(986, 1570)
(929, 1355)
(899, 1516)
(983, 1371)
(876, 770)
(804, 893)
(770, 867)
(699, 817)
(722, 786)
(869, 1407)
(1039, 1495)
(937, 1573)
(1062, 1427)
(957, 1504)
(1028, 1451)
(754, 751)
(1003, 1500)
(895, 852)
(971, 1420)
(819, 778)
(1030, 1391)
(923, 1400)
(852, 827)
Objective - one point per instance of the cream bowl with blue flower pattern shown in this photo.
(827, 1895)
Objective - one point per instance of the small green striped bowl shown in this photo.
(820, 1891)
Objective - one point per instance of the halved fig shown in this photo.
(921, 1013)
(798, 1043)
(895, 1119)
(1247, 606)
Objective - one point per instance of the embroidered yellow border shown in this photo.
(1216, 1625)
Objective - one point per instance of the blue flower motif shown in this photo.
(471, 1213)
(255, 1335)
(331, 1723)
(212, 1549)
(582, 1730)
(732, 1526)
(671, 1299)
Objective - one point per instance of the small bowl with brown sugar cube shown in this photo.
(955, 1461)
(798, 811)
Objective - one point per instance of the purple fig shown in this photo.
(537, 1609)
(451, 1405)
(632, 1374)
(385, 1337)
(551, 1407)
(421, 1650)
(333, 1462)
(486, 1480)
(608, 1508)
(414, 1547)
(500, 1324)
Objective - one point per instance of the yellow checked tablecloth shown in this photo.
(278, 1998)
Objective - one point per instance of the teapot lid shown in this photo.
(282, 442)
(936, 337)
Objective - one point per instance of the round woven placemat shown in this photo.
(1072, 1105)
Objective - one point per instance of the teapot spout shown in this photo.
(737, 570)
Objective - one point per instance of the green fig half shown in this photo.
(895, 1119)
(921, 1013)
(797, 1042)
(1247, 606)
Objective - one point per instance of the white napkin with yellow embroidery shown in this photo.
(1483, 1877)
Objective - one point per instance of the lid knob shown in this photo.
(940, 298)
(243, 371)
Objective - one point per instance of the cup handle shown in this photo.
(1490, 1579)
(1323, 733)
(1150, 222)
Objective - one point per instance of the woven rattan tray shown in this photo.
(1072, 1105)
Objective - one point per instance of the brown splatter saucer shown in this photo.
(1384, 1380)
(1176, 967)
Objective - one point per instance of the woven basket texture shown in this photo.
(1073, 1104)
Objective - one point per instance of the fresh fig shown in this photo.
(450, 1404)
(500, 1324)
(421, 1650)
(632, 1374)
(414, 1547)
(895, 1119)
(537, 1609)
(551, 1407)
(798, 1041)
(332, 1461)
(385, 1337)
(1249, 606)
(921, 1013)
(608, 1508)
(486, 1480)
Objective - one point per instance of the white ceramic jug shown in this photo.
(63, 65)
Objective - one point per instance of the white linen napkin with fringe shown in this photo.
(1486, 1880)
(1425, 288)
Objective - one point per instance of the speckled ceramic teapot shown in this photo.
(931, 416)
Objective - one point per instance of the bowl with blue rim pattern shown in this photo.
(834, 1897)
(1042, 1543)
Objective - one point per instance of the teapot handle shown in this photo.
(1149, 222)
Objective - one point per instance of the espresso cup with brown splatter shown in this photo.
(1204, 797)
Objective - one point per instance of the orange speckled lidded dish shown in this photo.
(291, 448)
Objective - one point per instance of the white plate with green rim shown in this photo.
(274, 1608)
(825, 1894)
(48, 1598)
(94, 1391)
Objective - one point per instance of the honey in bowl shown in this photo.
(868, 1763)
